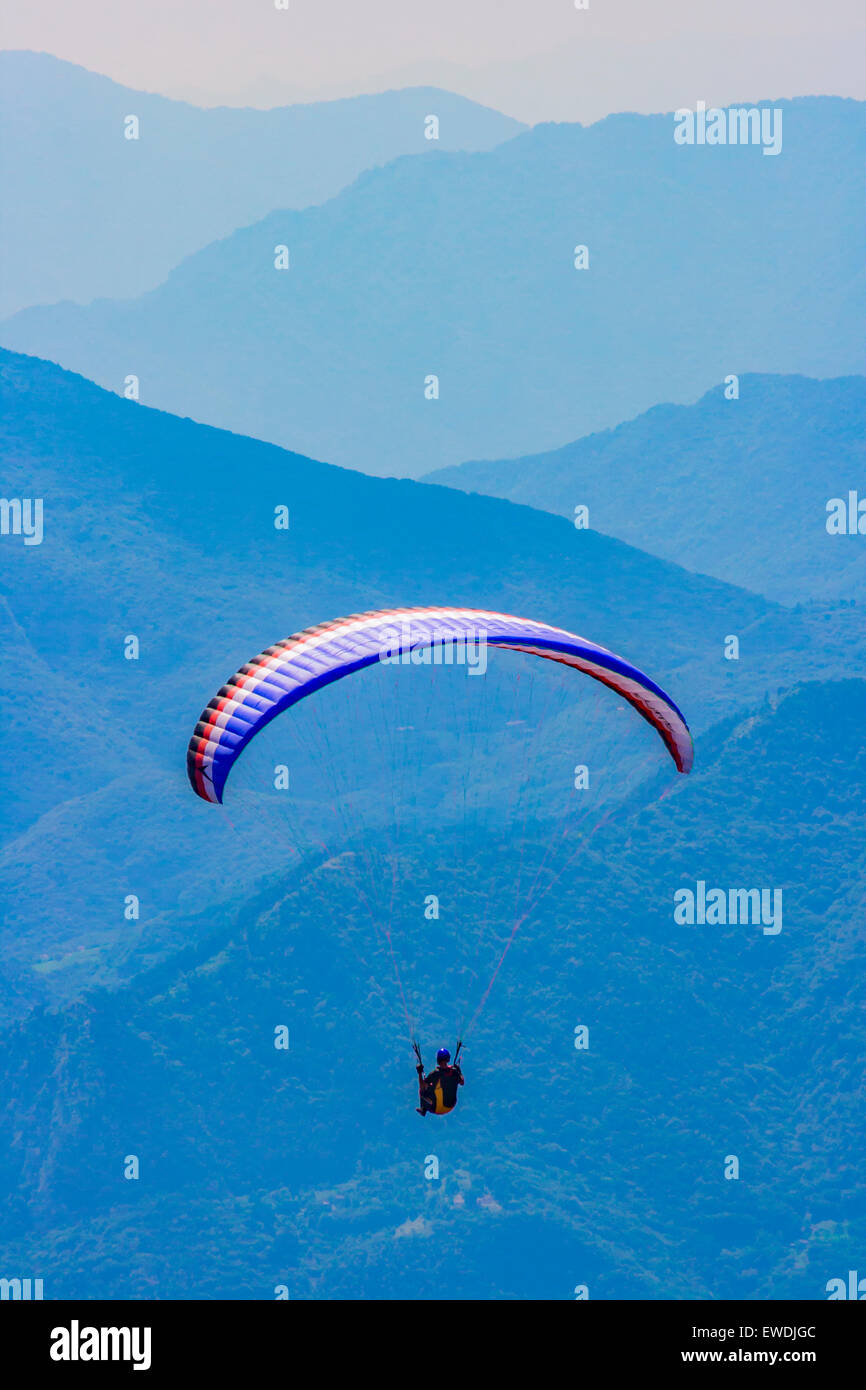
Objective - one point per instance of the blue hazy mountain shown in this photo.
(733, 488)
(87, 212)
(703, 261)
(162, 529)
(607, 1166)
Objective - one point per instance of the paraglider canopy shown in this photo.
(291, 670)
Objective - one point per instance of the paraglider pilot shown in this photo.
(438, 1091)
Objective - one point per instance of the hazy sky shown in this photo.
(534, 59)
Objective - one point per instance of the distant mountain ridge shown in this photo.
(87, 213)
(734, 488)
(455, 274)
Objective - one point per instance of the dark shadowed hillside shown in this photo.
(602, 1166)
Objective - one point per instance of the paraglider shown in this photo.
(438, 1091)
(306, 662)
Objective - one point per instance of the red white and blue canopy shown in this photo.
(283, 674)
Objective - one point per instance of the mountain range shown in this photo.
(734, 487)
(432, 311)
(163, 530)
(89, 212)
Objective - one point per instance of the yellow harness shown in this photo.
(441, 1108)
